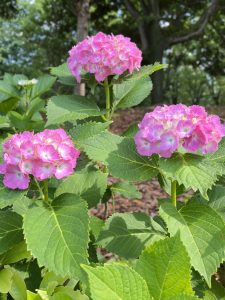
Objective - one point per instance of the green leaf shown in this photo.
(191, 170)
(70, 108)
(134, 229)
(99, 147)
(165, 184)
(183, 297)
(84, 131)
(36, 105)
(126, 189)
(4, 123)
(60, 240)
(89, 184)
(166, 267)
(216, 199)
(202, 231)
(67, 293)
(18, 289)
(146, 71)
(130, 93)
(21, 205)
(218, 290)
(124, 162)
(5, 280)
(131, 131)
(10, 230)
(96, 226)
(43, 85)
(15, 254)
(8, 197)
(61, 71)
(8, 89)
(32, 296)
(8, 105)
(116, 282)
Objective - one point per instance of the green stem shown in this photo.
(174, 193)
(39, 189)
(3, 296)
(45, 183)
(107, 99)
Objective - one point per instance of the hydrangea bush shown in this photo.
(56, 161)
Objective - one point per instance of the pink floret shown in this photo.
(167, 128)
(43, 155)
(104, 55)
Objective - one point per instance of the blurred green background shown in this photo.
(189, 35)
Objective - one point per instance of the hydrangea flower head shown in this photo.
(50, 153)
(104, 55)
(167, 128)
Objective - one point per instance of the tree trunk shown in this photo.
(82, 11)
(153, 45)
(154, 54)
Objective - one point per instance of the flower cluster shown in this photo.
(104, 55)
(167, 128)
(43, 155)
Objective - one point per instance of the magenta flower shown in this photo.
(43, 155)
(104, 55)
(167, 128)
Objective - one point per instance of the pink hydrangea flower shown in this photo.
(104, 55)
(42, 155)
(167, 128)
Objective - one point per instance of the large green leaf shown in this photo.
(130, 93)
(116, 282)
(61, 70)
(89, 184)
(70, 108)
(100, 146)
(126, 189)
(10, 230)
(202, 231)
(89, 129)
(166, 268)
(60, 240)
(124, 162)
(191, 170)
(183, 297)
(8, 89)
(43, 85)
(8, 197)
(216, 199)
(145, 71)
(134, 229)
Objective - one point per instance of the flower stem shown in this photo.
(174, 193)
(45, 183)
(107, 99)
(39, 189)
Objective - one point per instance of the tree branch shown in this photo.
(197, 29)
(132, 10)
